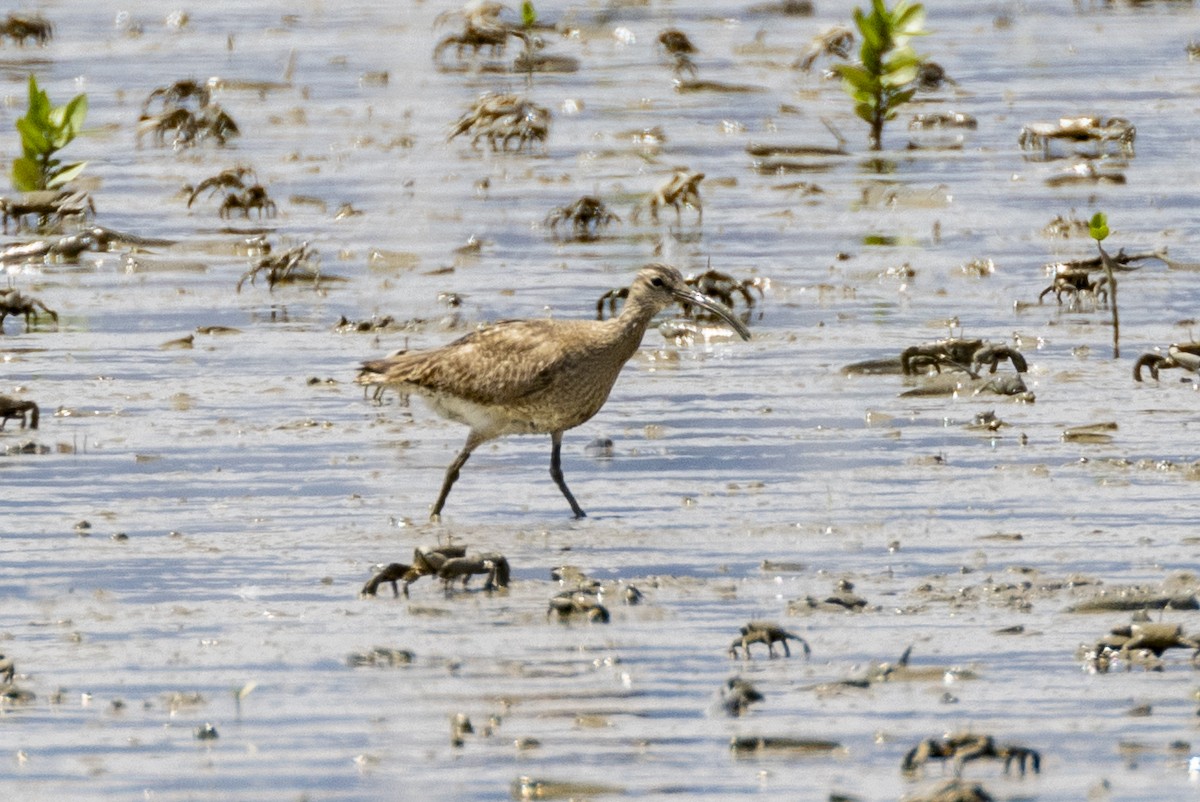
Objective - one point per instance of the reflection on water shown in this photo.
(257, 488)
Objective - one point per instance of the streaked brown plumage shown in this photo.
(534, 376)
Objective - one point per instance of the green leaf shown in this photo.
(66, 121)
(900, 98)
(865, 97)
(33, 138)
(910, 21)
(872, 34)
(528, 14)
(895, 79)
(39, 102)
(76, 113)
(65, 175)
(46, 129)
(857, 77)
(902, 57)
(859, 18)
(882, 82)
(26, 175)
(1098, 226)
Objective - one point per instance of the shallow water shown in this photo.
(256, 504)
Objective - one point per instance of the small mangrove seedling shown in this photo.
(46, 129)
(528, 21)
(886, 78)
(1098, 228)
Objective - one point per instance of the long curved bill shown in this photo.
(720, 310)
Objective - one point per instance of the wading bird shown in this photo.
(534, 376)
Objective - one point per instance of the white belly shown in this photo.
(490, 420)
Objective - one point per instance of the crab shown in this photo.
(587, 217)
(676, 42)
(46, 204)
(429, 561)
(724, 288)
(681, 189)
(1074, 281)
(942, 119)
(376, 323)
(245, 193)
(1065, 227)
(482, 27)
(502, 118)
(964, 746)
(493, 564)
(962, 354)
(570, 603)
(931, 76)
(834, 43)
(391, 573)
(13, 408)
(1079, 129)
(1138, 642)
(737, 694)
(290, 266)
(235, 178)
(20, 27)
(14, 302)
(767, 632)
(187, 128)
(186, 114)
(177, 94)
(1179, 355)
(680, 47)
(252, 197)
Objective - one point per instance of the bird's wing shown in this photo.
(499, 364)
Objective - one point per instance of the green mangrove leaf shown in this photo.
(46, 129)
(39, 102)
(883, 81)
(26, 174)
(66, 175)
(894, 79)
(857, 77)
(1098, 226)
(909, 20)
(873, 36)
(68, 120)
(76, 113)
(33, 138)
(902, 58)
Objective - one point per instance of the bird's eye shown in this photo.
(656, 282)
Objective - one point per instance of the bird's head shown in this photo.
(660, 286)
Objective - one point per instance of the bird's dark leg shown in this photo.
(557, 475)
(473, 442)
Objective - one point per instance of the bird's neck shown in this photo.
(630, 326)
